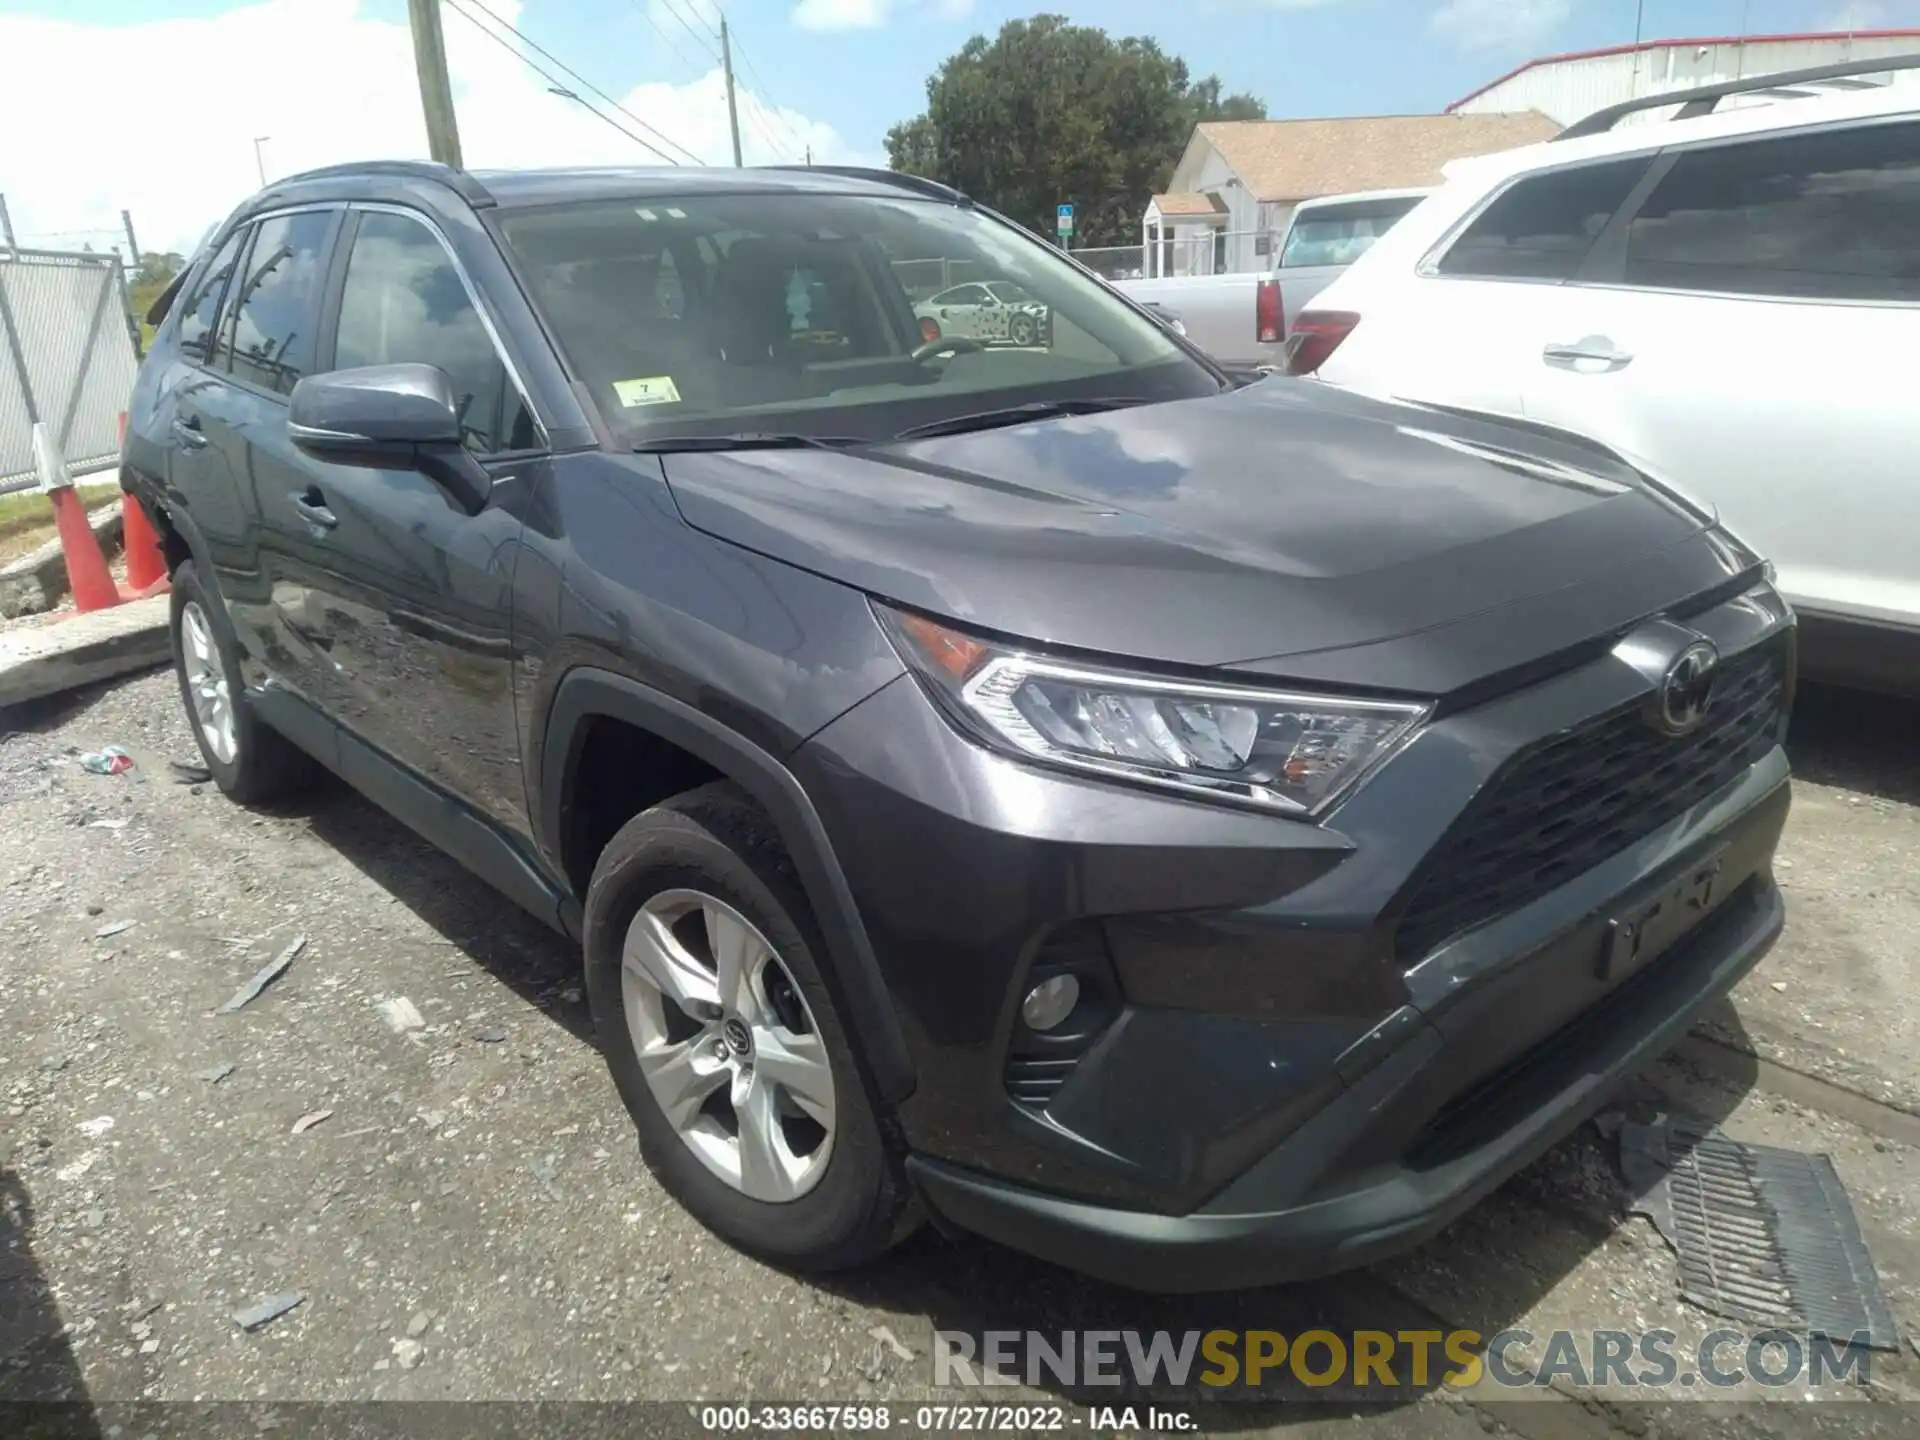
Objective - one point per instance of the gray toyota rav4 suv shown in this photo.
(1196, 831)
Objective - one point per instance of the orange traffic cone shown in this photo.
(146, 566)
(87, 573)
(93, 587)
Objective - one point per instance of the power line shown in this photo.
(665, 39)
(674, 10)
(768, 103)
(549, 76)
(773, 142)
(580, 79)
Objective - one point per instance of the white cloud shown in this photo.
(177, 149)
(871, 14)
(1499, 24)
(841, 14)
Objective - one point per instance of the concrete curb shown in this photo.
(41, 660)
(37, 581)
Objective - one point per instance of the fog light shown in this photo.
(1050, 1002)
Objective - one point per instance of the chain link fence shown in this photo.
(1199, 252)
(67, 359)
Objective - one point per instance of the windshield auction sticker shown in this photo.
(653, 390)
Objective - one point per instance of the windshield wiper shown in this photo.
(1013, 415)
(744, 440)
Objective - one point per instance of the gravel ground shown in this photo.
(410, 1130)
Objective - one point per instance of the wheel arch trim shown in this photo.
(853, 971)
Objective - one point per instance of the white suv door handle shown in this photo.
(1595, 348)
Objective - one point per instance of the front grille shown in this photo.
(1567, 804)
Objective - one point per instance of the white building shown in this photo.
(1237, 182)
(1571, 87)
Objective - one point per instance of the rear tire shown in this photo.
(249, 760)
(677, 891)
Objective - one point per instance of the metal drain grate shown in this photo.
(1761, 1234)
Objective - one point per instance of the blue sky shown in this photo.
(1304, 57)
(831, 75)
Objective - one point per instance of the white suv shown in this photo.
(1729, 300)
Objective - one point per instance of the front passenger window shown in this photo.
(404, 303)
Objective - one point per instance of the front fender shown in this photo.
(852, 971)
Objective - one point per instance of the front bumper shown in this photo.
(1304, 1211)
(1280, 1079)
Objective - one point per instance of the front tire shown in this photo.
(249, 761)
(724, 1042)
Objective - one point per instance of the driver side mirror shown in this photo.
(390, 417)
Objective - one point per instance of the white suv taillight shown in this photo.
(1316, 335)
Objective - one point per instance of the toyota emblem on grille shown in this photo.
(1687, 688)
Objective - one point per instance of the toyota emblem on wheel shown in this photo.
(1687, 688)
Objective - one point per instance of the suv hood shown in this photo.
(1286, 528)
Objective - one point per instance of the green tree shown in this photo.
(1207, 103)
(156, 271)
(1049, 111)
(157, 267)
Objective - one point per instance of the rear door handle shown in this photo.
(312, 506)
(189, 433)
(1593, 349)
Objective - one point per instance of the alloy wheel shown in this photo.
(207, 689)
(728, 1045)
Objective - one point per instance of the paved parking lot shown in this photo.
(469, 1219)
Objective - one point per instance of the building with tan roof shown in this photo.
(1237, 182)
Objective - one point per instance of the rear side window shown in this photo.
(1541, 228)
(1341, 234)
(198, 316)
(404, 303)
(276, 309)
(1834, 215)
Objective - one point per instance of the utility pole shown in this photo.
(259, 160)
(6, 225)
(726, 65)
(133, 245)
(809, 157)
(436, 90)
(1633, 80)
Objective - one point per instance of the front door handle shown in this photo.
(1585, 354)
(312, 506)
(189, 433)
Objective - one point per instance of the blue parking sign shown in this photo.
(1063, 219)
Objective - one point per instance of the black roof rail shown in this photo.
(1702, 98)
(463, 184)
(899, 179)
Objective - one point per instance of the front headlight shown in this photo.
(1268, 748)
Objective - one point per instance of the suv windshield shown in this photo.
(809, 314)
(1341, 234)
